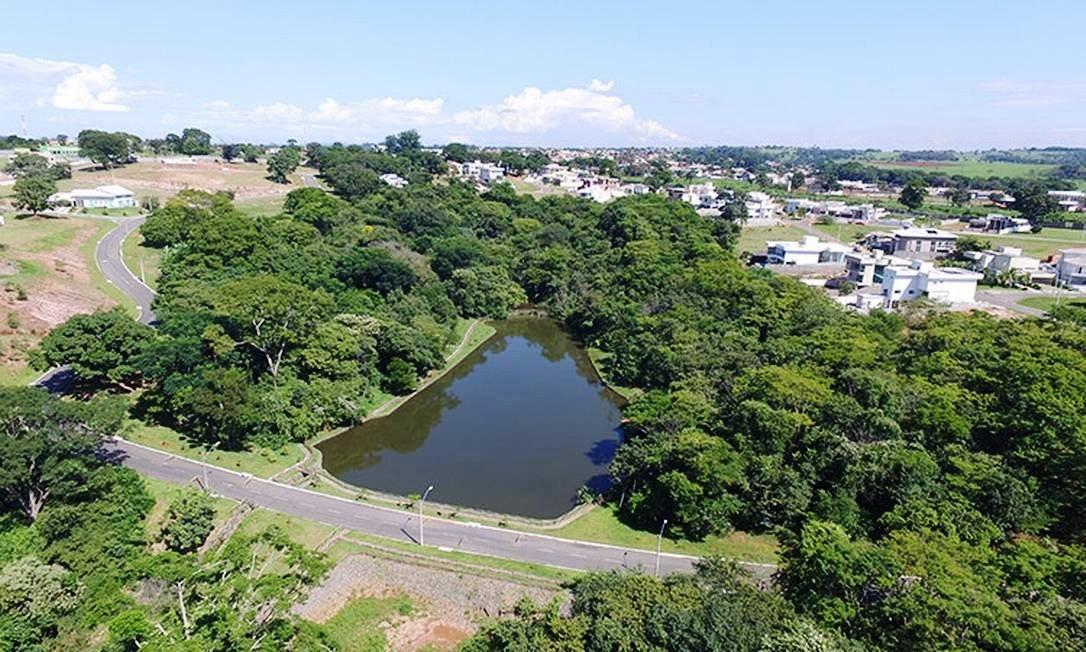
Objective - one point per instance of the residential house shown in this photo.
(112, 196)
(1071, 268)
(394, 180)
(1010, 259)
(864, 268)
(1001, 224)
(922, 242)
(1070, 200)
(809, 251)
(921, 278)
(760, 206)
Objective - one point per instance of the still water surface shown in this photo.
(517, 427)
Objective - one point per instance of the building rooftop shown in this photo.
(924, 232)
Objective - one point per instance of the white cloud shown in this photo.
(74, 86)
(536, 111)
(274, 113)
(531, 111)
(385, 111)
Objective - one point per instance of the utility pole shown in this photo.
(659, 541)
(422, 540)
(207, 486)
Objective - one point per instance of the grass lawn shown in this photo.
(1040, 245)
(973, 168)
(306, 533)
(261, 462)
(38, 234)
(357, 626)
(753, 238)
(260, 206)
(164, 493)
(142, 260)
(1047, 303)
(847, 233)
(109, 212)
(603, 526)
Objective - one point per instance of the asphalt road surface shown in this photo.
(108, 257)
(398, 524)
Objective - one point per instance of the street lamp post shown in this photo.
(422, 540)
(659, 541)
(207, 485)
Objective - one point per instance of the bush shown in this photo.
(191, 518)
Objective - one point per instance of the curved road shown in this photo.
(362, 517)
(109, 259)
(398, 524)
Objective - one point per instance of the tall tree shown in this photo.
(101, 347)
(283, 163)
(32, 192)
(913, 194)
(48, 446)
(108, 149)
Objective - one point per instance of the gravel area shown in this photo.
(450, 603)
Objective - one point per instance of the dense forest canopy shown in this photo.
(926, 473)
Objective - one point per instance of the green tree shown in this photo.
(35, 595)
(1033, 202)
(48, 447)
(32, 192)
(100, 348)
(108, 149)
(913, 194)
(230, 152)
(189, 520)
(270, 315)
(194, 141)
(283, 163)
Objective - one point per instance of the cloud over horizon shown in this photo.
(74, 86)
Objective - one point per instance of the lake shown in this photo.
(517, 427)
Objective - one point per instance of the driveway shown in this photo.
(109, 259)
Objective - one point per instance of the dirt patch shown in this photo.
(451, 604)
(153, 177)
(60, 286)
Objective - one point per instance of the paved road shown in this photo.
(398, 524)
(108, 257)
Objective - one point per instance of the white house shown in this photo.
(865, 269)
(1070, 200)
(1005, 259)
(1071, 268)
(760, 206)
(479, 171)
(1002, 224)
(921, 278)
(394, 180)
(111, 196)
(809, 251)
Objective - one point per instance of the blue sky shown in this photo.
(922, 74)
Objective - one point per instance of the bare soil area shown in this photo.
(153, 177)
(451, 604)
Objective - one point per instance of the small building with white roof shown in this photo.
(923, 279)
(808, 251)
(111, 196)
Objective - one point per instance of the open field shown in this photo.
(532, 189)
(753, 238)
(848, 233)
(153, 178)
(602, 525)
(1039, 245)
(1049, 302)
(973, 168)
(48, 273)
